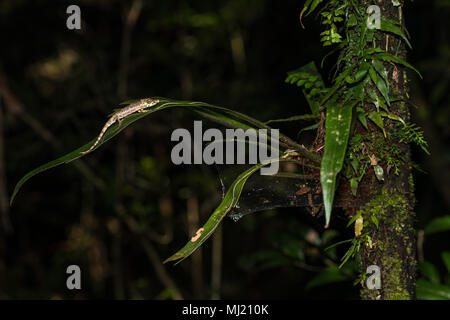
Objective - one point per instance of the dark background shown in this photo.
(57, 87)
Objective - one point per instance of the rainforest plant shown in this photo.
(360, 159)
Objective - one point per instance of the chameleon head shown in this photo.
(149, 102)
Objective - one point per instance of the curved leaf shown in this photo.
(430, 271)
(389, 57)
(380, 84)
(438, 225)
(389, 26)
(229, 201)
(446, 258)
(432, 291)
(295, 118)
(219, 114)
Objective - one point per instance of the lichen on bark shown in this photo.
(392, 249)
(392, 201)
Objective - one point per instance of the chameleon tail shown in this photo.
(107, 125)
(93, 146)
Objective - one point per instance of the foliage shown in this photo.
(362, 79)
(432, 286)
(219, 114)
(361, 74)
(411, 133)
(78, 221)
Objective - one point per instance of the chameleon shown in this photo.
(138, 106)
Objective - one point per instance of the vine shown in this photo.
(360, 91)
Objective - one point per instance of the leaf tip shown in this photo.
(13, 196)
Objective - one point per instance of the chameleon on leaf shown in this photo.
(138, 106)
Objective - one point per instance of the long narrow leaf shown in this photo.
(438, 225)
(216, 113)
(432, 291)
(295, 118)
(337, 130)
(388, 26)
(229, 201)
(390, 57)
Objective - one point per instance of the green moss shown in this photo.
(393, 288)
(398, 202)
(392, 210)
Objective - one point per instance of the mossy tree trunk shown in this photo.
(390, 201)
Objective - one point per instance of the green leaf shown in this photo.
(353, 219)
(354, 185)
(312, 77)
(375, 220)
(362, 117)
(372, 95)
(229, 201)
(388, 26)
(379, 173)
(438, 225)
(359, 75)
(430, 271)
(219, 114)
(295, 118)
(330, 275)
(349, 253)
(379, 67)
(378, 120)
(382, 104)
(338, 83)
(352, 21)
(311, 4)
(380, 84)
(389, 57)
(392, 117)
(431, 291)
(446, 258)
(371, 51)
(311, 127)
(337, 130)
(337, 244)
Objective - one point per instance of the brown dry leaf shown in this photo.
(359, 225)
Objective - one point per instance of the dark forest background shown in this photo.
(120, 211)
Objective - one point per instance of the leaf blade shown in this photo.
(337, 130)
(219, 114)
(229, 201)
(439, 224)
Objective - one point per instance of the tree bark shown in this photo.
(392, 201)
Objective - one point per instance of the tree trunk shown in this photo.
(392, 201)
